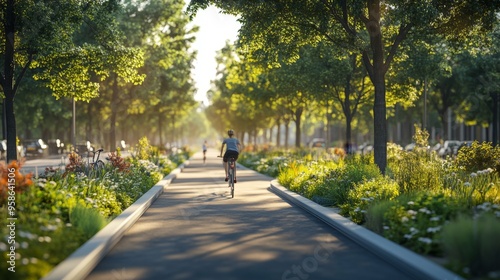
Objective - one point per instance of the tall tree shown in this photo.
(41, 34)
(375, 29)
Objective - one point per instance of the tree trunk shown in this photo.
(8, 82)
(287, 133)
(495, 118)
(160, 124)
(278, 133)
(380, 125)
(114, 113)
(377, 76)
(298, 121)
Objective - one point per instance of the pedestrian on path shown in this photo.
(204, 147)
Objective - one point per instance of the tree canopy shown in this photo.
(274, 31)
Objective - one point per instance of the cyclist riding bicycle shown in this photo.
(233, 147)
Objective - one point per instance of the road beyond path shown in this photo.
(195, 230)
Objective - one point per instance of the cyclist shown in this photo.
(233, 147)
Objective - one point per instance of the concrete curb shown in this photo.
(418, 266)
(81, 263)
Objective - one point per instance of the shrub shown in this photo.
(472, 245)
(289, 173)
(415, 221)
(479, 156)
(474, 188)
(341, 180)
(12, 180)
(144, 151)
(375, 215)
(118, 163)
(45, 235)
(88, 220)
(416, 170)
(364, 193)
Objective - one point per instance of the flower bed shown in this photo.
(448, 209)
(57, 214)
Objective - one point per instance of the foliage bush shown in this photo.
(479, 156)
(365, 193)
(11, 180)
(416, 170)
(57, 214)
(374, 216)
(87, 220)
(472, 244)
(474, 188)
(426, 193)
(417, 223)
(342, 180)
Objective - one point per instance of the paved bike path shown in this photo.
(194, 230)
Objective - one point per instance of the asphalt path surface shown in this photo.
(195, 230)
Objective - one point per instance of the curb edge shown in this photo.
(81, 262)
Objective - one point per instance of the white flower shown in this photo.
(3, 247)
(411, 212)
(473, 174)
(411, 203)
(408, 236)
(28, 235)
(424, 210)
(48, 228)
(425, 240)
(404, 219)
(497, 213)
(434, 229)
(435, 219)
(386, 228)
(413, 230)
(467, 184)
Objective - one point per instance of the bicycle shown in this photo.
(231, 170)
(97, 164)
(94, 167)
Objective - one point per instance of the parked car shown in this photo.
(365, 148)
(56, 146)
(410, 147)
(449, 148)
(317, 143)
(464, 144)
(84, 148)
(34, 147)
(3, 149)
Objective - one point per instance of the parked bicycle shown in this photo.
(96, 165)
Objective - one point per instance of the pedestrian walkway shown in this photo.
(195, 230)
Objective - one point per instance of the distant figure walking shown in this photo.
(204, 147)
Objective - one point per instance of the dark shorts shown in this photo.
(230, 154)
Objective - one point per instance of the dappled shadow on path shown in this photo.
(196, 231)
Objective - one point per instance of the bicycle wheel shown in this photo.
(231, 178)
(99, 166)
